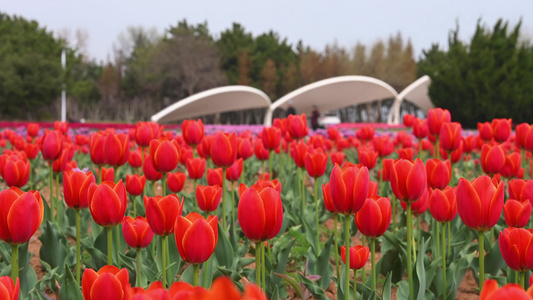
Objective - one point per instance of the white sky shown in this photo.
(316, 23)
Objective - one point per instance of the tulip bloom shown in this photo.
(501, 129)
(107, 203)
(108, 174)
(511, 165)
(516, 248)
(33, 129)
(196, 167)
(524, 136)
(135, 184)
(149, 170)
(233, 173)
(165, 155)
(508, 291)
(196, 237)
(406, 153)
(244, 148)
(15, 169)
(436, 117)
(267, 218)
(516, 213)
(75, 188)
(297, 126)
(374, 217)
(96, 148)
(408, 120)
(260, 151)
(439, 173)
(492, 159)
(208, 197)
(419, 206)
(224, 149)
(383, 145)
(176, 181)
(214, 176)
(193, 132)
(145, 132)
(110, 283)
(408, 180)
(20, 216)
(271, 137)
(480, 202)
(485, 131)
(137, 232)
(365, 133)
(116, 149)
(298, 152)
(59, 165)
(420, 128)
(8, 289)
(161, 213)
(443, 204)
(367, 157)
(51, 145)
(450, 136)
(521, 190)
(349, 188)
(316, 163)
(135, 159)
(358, 256)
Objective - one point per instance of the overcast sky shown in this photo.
(316, 23)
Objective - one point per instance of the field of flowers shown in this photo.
(145, 211)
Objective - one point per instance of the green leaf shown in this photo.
(223, 250)
(314, 288)
(293, 283)
(387, 288)
(69, 287)
(52, 239)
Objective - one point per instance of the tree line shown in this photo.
(149, 70)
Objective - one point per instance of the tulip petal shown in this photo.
(24, 217)
(106, 287)
(198, 242)
(252, 224)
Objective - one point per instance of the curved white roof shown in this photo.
(416, 93)
(221, 99)
(334, 93)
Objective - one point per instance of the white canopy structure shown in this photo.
(222, 99)
(416, 93)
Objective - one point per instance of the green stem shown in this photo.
(270, 164)
(134, 206)
(409, 245)
(363, 273)
(444, 286)
(14, 262)
(195, 274)
(31, 175)
(78, 247)
(355, 283)
(300, 183)
(206, 269)
(436, 150)
(263, 268)
(142, 166)
(115, 174)
(194, 197)
(232, 204)
(393, 213)
(153, 188)
(336, 233)
(347, 263)
(164, 248)
(303, 188)
(263, 170)
(109, 245)
(380, 177)
(100, 174)
(138, 267)
(224, 198)
(258, 264)
(316, 219)
(438, 254)
(164, 184)
(57, 194)
(523, 279)
(373, 261)
(481, 240)
(52, 202)
(449, 237)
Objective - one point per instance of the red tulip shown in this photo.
(185, 155)
(15, 169)
(233, 173)
(33, 129)
(116, 149)
(135, 184)
(20, 216)
(443, 205)
(108, 174)
(349, 188)
(244, 148)
(61, 126)
(450, 136)
(509, 291)
(271, 137)
(408, 180)
(193, 131)
(358, 256)
(165, 155)
(501, 129)
(107, 202)
(137, 232)
(214, 176)
(374, 217)
(316, 163)
(205, 149)
(420, 128)
(439, 173)
(516, 246)
(516, 213)
(262, 184)
(161, 213)
(298, 152)
(524, 136)
(419, 206)
(265, 222)
(521, 190)
(59, 165)
(365, 133)
(406, 153)
(75, 188)
(383, 145)
(436, 117)
(224, 149)
(196, 237)
(149, 170)
(110, 283)
(96, 148)
(385, 171)
(469, 143)
(511, 165)
(8, 289)
(196, 167)
(337, 158)
(297, 126)
(31, 150)
(51, 145)
(492, 159)
(408, 120)
(485, 131)
(260, 151)
(480, 202)
(145, 132)
(333, 133)
(135, 159)
(367, 157)
(208, 197)
(176, 181)
(328, 202)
